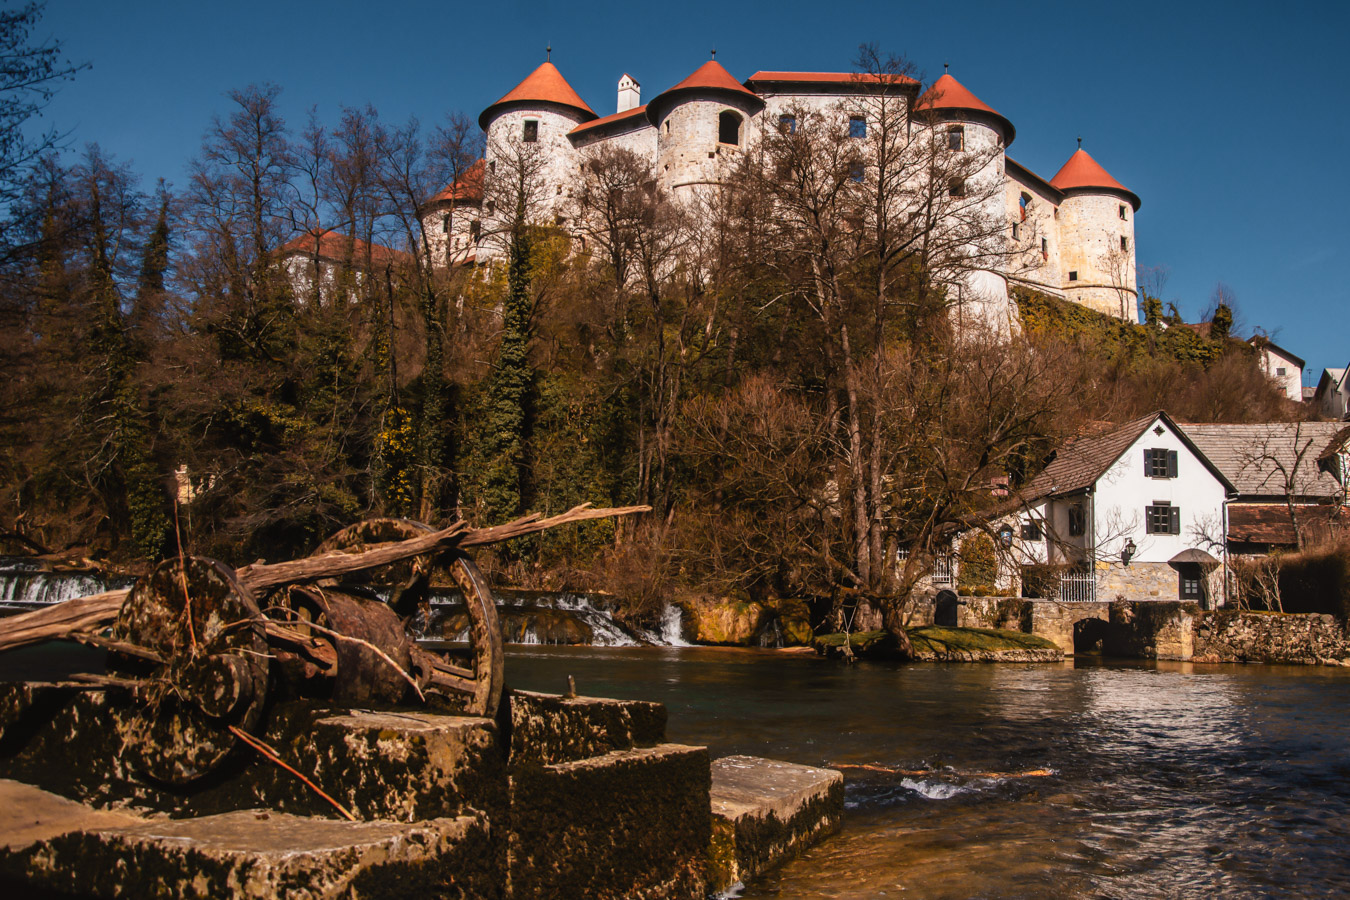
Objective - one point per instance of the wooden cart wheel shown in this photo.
(204, 628)
(477, 686)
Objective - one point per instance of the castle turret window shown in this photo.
(1023, 202)
(1122, 210)
(956, 187)
(1045, 249)
(445, 224)
(787, 124)
(1124, 243)
(855, 171)
(956, 137)
(857, 127)
(729, 128)
(1017, 232)
(1073, 276)
(530, 134)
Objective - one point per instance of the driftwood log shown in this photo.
(87, 615)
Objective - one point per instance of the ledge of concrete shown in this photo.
(72, 848)
(765, 812)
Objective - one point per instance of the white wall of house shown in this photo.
(1285, 371)
(1125, 491)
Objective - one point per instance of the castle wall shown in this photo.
(689, 154)
(1042, 269)
(1090, 227)
(457, 244)
(552, 156)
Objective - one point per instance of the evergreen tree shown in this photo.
(1222, 323)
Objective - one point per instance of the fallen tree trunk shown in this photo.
(97, 611)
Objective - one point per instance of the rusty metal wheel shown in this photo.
(203, 669)
(477, 686)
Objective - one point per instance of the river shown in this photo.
(1167, 780)
(1081, 779)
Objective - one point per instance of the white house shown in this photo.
(1133, 512)
(1281, 367)
(1332, 397)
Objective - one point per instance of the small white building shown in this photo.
(1332, 397)
(1135, 512)
(1281, 367)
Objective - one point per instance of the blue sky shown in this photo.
(1229, 120)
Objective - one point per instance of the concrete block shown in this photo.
(548, 729)
(55, 844)
(630, 824)
(765, 812)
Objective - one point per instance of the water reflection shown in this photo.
(1165, 780)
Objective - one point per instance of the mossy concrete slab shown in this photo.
(629, 824)
(764, 812)
(547, 729)
(254, 853)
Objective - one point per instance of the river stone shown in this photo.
(253, 853)
(765, 812)
(627, 825)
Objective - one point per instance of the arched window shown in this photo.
(729, 128)
(1025, 203)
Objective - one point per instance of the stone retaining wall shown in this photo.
(1307, 639)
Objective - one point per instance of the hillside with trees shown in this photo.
(778, 371)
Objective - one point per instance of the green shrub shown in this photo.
(977, 566)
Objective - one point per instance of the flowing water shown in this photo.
(1065, 780)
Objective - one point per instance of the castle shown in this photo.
(1071, 236)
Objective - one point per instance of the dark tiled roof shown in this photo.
(1078, 464)
(1269, 523)
(1259, 458)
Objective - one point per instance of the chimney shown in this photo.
(630, 93)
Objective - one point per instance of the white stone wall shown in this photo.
(1043, 271)
(558, 161)
(1090, 229)
(458, 244)
(689, 156)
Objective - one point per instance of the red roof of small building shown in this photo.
(332, 245)
(468, 188)
(544, 85)
(1082, 171)
(607, 120)
(830, 77)
(948, 93)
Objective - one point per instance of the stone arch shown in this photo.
(729, 127)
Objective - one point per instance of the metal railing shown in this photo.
(944, 570)
(1077, 587)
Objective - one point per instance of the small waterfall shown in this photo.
(25, 585)
(671, 632)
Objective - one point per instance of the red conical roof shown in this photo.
(709, 76)
(1082, 171)
(948, 93)
(544, 85)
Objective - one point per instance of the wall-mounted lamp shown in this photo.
(1128, 551)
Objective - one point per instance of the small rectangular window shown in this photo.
(1280, 371)
(1031, 531)
(492, 207)
(956, 138)
(1073, 276)
(787, 124)
(531, 132)
(1017, 231)
(857, 127)
(1076, 520)
(1124, 243)
(1162, 518)
(855, 171)
(1122, 210)
(1160, 462)
(1190, 587)
(473, 230)
(1045, 248)
(956, 187)
(445, 224)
